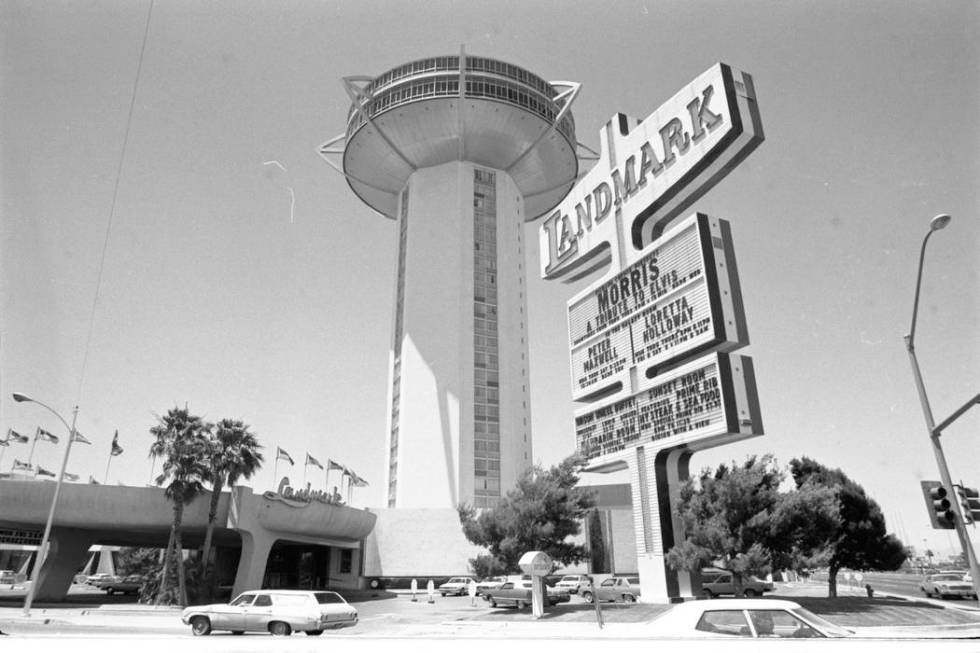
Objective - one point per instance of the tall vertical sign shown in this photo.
(651, 341)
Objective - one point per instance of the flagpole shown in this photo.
(30, 457)
(107, 463)
(153, 463)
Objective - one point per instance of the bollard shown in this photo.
(430, 588)
(870, 590)
(415, 588)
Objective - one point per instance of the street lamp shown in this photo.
(42, 553)
(937, 223)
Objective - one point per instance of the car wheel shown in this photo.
(750, 594)
(587, 597)
(238, 632)
(493, 602)
(708, 594)
(314, 633)
(629, 598)
(109, 591)
(521, 605)
(280, 628)
(200, 626)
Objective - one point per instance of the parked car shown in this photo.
(456, 586)
(128, 585)
(727, 618)
(491, 583)
(574, 583)
(94, 579)
(768, 618)
(279, 612)
(617, 588)
(7, 577)
(947, 585)
(718, 582)
(518, 594)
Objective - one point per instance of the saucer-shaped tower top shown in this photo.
(433, 111)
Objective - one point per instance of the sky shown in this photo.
(151, 258)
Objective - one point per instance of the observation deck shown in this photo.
(433, 111)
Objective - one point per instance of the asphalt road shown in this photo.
(900, 584)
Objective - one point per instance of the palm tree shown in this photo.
(233, 453)
(182, 442)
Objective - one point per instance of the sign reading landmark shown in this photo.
(681, 297)
(690, 405)
(649, 172)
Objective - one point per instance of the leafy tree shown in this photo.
(233, 453)
(727, 519)
(484, 566)
(137, 560)
(540, 514)
(858, 540)
(800, 522)
(182, 442)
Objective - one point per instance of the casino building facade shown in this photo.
(460, 152)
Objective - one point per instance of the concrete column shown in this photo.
(251, 567)
(67, 552)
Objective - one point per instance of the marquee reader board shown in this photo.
(701, 404)
(681, 298)
(649, 172)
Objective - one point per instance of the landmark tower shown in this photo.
(460, 151)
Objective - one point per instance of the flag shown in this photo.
(92, 481)
(116, 449)
(15, 436)
(81, 438)
(4, 443)
(43, 472)
(282, 455)
(332, 465)
(45, 435)
(71, 477)
(25, 466)
(357, 480)
(310, 460)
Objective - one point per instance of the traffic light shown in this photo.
(940, 510)
(970, 500)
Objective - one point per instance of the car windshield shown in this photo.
(328, 597)
(829, 629)
(947, 577)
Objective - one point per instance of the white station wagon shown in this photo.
(279, 612)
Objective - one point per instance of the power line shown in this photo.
(112, 206)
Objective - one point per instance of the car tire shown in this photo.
(200, 626)
(750, 594)
(493, 601)
(708, 594)
(314, 633)
(280, 629)
(629, 598)
(587, 597)
(521, 605)
(238, 632)
(109, 591)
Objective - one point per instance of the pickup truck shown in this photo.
(518, 594)
(617, 588)
(127, 585)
